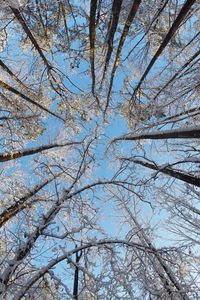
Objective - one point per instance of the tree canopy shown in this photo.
(99, 149)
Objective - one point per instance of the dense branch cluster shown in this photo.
(99, 149)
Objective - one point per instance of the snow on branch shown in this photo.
(57, 260)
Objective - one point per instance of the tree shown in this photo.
(100, 128)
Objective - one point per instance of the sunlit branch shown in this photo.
(28, 99)
(22, 252)
(126, 28)
(116, 8)
(21, 20)
(156, 254)
(158, 13)
(177, 73)
(54, 262)
(6, 68)
(26, 152)
(23, 202)
(180, 18)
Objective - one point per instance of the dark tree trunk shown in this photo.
(76, 276)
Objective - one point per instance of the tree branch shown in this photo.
(16, 92)
(185, 177)
(26, 152)
(181, 16)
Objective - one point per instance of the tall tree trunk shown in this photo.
(180, 18)
(76, 276)
(180, 133)
(183, 176)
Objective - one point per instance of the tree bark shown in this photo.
(127, 25)
(26, 152)
(21, 20)
(181, 16)
(188, 178)
(92, 34)
(181, 133)
(116, 8)
(76, 276)
(21, 204)
(16, 92)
